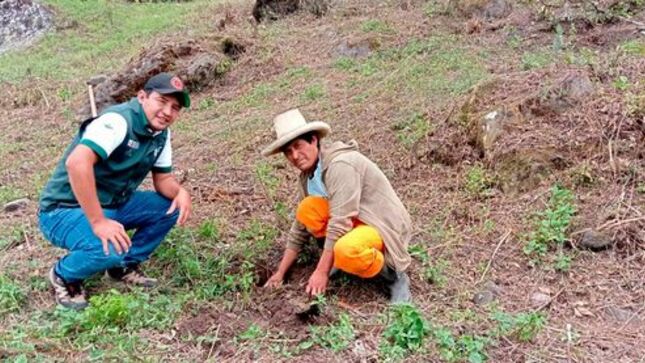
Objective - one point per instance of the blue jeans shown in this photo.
(69, 228)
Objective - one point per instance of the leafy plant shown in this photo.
(466, 347)
(478, 183)
(313, 92)
(252, 333)
(622, 83)
(552, 224)
(11, 296)
(412, 129)
(524, 326)
(335, 337)
(407, 328)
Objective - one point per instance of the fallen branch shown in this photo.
(492, 257)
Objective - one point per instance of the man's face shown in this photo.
(161, 110)
(302, 154)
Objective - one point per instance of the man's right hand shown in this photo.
(110, 230)
(275, 280)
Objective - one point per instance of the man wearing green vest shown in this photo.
(91, 199)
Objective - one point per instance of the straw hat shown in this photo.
(291, 124)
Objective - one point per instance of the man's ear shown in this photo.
(141, 96)
(314, 139)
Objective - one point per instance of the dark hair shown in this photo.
(308, 137)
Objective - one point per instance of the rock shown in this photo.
(497, 9)
(21, 22)
(483, 297)
(16, 205)
(490, 127)
(564, 95)
(595, 240)
(359, 49)
(619, 314)
(190, 61)
(276, 9)
(489, 292)
(540, 298)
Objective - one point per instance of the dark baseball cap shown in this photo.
(167, 84)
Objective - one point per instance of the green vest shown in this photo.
(118, 175)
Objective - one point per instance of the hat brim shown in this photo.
(182, 96)
(320, 127)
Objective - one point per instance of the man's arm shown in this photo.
(289, 257)
(167, 185)
(80, 168)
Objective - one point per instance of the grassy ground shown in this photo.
(399, 102)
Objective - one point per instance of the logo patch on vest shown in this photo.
(133, 144)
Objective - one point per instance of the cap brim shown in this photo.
(182, 96)
(320, 127)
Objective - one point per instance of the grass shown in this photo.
(107, 32)
(552, 224)
(12, 297)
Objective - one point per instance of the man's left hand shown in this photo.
(183, 203)
(317, 283)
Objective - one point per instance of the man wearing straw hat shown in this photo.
(347, 204)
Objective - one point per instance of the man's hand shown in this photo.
(275, 280)
(112, 231)
(183, 203)
(317, 283)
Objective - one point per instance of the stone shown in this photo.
(540, 298)
(483, 297)
(276, 9)
(489, 292)
(619, 314)
(595, 240)
(355, 50)
(21, 22)
(16, 205)
(561, 97)
(497, 9)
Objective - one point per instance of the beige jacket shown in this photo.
(357, 188)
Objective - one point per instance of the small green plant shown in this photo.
(634, 47)
(209, 230)
(562, 262)
(523, 327)
(345, 64)
(621, 83)
(478, 183)
(313, 92)
(252, 333)
(206, 103)
(376, 26)
(336, 337)
(552, 224)
(467, 347)
(535, 60)
(265, 175)
(407, 329)
(412, 129)
(12, 297)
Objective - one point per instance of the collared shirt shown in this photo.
(315, 184)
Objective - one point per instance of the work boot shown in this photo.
(132, 276)
(398, 283)
(69, 295)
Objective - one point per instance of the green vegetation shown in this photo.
(376, 26)
(523, 327)
(406, 331)
(465, 347)
(552, 224)
(536, 60)
(412, 129)
(478, 181)
(107, 32)
(432, 272)
(336, 337)
(11, 296)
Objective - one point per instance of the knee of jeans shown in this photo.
(112, 259)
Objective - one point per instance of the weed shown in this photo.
(553, 223)
(252, 333)
(621, 83)
(335, 337)
(524, 326)
(635, 103)
(9, 193)
(265, 175)
(466, 347)
(206, 103)
(209, 230)
(12, 297)
(345, 64)
(407, 328)
(536, 60)
(633, 47)
(313, 92)
(412, 129)
(430, 272)
(376, 26)
(562, 262)
(478, 183)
